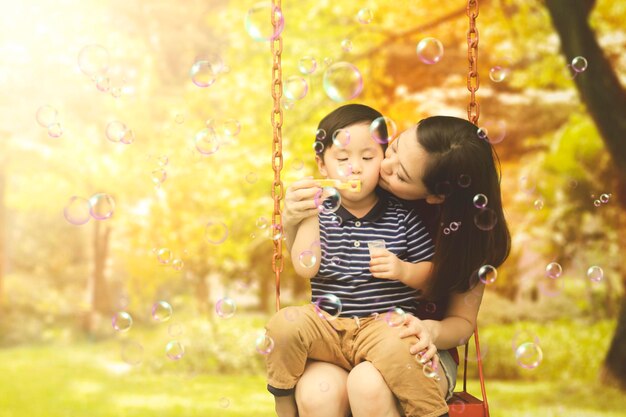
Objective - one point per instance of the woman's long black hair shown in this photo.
(461, 165)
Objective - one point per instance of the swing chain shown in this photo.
(277, 150)
(473, 108)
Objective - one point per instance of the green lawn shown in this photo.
(85, 379)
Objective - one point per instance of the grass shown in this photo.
(220, 375)
(62, 381)
(85, 379)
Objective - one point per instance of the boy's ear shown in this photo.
(435, 199)
(321, 166)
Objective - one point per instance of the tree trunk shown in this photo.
(202, 294)
(605, 98)
(100, 297)
(3, 231)
(598, 85)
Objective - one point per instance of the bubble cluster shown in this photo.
(47, 117)
(452, 227)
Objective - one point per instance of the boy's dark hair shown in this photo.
(343, 117)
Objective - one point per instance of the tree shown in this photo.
(605, 99)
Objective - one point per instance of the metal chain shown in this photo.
(277, 148)
(473, 108)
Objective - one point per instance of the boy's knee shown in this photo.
(365, 382)
(284, 324)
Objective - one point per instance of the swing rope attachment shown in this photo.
(473, 108)
(277, 148)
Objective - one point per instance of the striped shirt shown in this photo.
(344, 276)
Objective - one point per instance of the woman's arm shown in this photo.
(452, 331)
(460, 320)
(299, 205)
(307, 235)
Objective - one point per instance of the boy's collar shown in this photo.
(372, 216)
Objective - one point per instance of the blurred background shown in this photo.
(136, 178)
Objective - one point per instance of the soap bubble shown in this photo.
(161, 311)
(430, 50)
(329, 303)
(225, 307)
(579, 64)
(595, 273)
(122, 322)
(307, 65)
(342, 82)
(480, 201)
(497, 73)
(365, 16)
(554, 270)
(258, 23)
(529, 355)
(487, 274)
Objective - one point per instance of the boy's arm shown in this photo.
(306, 235)
(415, 275)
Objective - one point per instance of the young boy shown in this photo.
(350, 287)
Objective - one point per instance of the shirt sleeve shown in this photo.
(419, 244)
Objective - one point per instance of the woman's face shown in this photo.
(403, 167)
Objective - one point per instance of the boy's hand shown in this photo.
(300, 201)
(386, 265)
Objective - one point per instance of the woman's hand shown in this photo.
(386, 265)
(424, 348)
(300, 201)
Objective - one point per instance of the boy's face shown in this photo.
(359, 159)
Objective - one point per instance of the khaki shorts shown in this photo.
(300, 333)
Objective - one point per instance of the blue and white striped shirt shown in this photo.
(344, 268)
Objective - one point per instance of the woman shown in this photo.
(444, 162)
